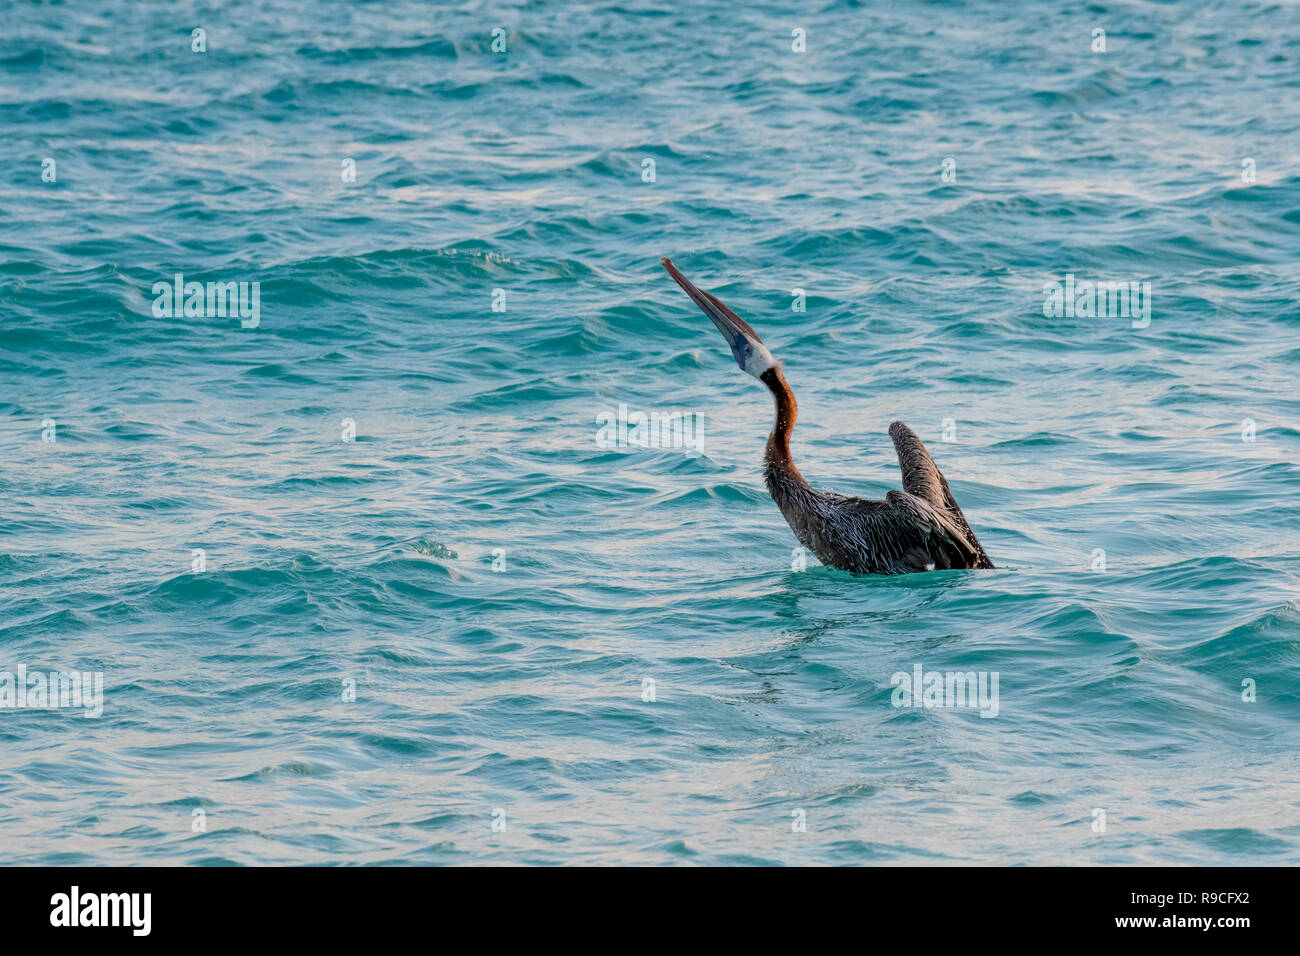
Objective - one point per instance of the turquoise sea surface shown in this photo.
(477, 630)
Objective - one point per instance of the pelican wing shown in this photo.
(922, 478)
(901, 534)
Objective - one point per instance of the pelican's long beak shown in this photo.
(750, 352)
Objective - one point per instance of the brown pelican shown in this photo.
(917, 529)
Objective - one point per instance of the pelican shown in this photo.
(917, 529)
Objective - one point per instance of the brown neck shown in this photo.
(778, 443)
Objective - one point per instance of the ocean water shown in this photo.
(479, 633)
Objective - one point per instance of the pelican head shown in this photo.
(750, 352)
